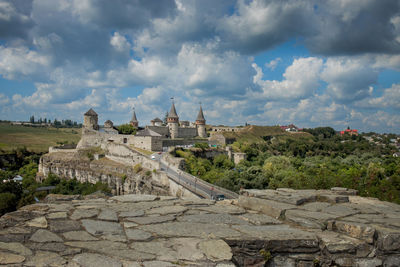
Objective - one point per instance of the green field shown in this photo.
(254, 133)
(35, 139)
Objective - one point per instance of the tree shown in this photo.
(126, 129)
(32, 119)
(165, 120)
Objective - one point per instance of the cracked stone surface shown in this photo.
(281, 227)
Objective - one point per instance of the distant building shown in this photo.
(349, 132)
(290, 128)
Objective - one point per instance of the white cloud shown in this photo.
(120, 43)
(22, 62)
(301, 80)
(273, 63)
(389, 99)
(349, 79)
(4, 100)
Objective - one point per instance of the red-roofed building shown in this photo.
(349, 132)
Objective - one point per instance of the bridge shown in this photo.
(192, 183)
(129, 155)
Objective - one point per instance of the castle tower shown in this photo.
(201, 124)
(90, 120)
(173, 122)
(134, 122)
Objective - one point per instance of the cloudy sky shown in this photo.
(267, 62)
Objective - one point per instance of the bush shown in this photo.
(137, 168)
(203, 146)
(8, 202)
(126, 129)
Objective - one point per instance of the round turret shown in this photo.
(173, 122)
(90, 120)
(201, 124)
(108, 124)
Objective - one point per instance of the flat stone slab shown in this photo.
(109, 230)
(272, 208)
(216, 250)
(57, 215)
(42, 236)
(16, 247)
(279, 238)
(137, 235)
(39, 222)
(81, 214)
(356, 230)
(259, 219)
(185, 229)
(167, 210)
(10, 258)
(60, 226)
(220, 208)
(113, 249)
(108, 215)
(79, 236)
(92, 259)
(133, 213)
(213, 219)
(135, 198)
(311, 219)
(45, 258)
(151, 219)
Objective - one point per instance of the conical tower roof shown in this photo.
(200, 116)
(172, 112)
(134, 119)
(90, 112)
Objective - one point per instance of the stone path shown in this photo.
(270, 227)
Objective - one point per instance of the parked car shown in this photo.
(219, 197)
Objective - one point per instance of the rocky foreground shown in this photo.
(280, 227)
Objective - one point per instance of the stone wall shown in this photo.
(187, 132)
(119, 177)
(125, 155)
(152, 143)
(182, 142)
(238, 157)
(226, 129)
(219, 138)
(162, 130)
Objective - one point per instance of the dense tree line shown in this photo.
(14, 195)
(326, 160)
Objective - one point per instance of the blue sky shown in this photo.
(309, 62)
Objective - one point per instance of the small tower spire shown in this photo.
(201, 123)
(134, 122)
(172, 113)
(173, 121)
(200, 116)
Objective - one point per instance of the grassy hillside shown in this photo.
(36, 139)
(254, 133)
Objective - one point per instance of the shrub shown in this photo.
(137, 168)
(7, 202)
(126, 129)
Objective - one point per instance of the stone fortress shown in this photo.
(152, 137)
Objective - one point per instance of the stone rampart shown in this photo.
(121, 178)
(182, 142)
(126, 155)
(314, 228)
